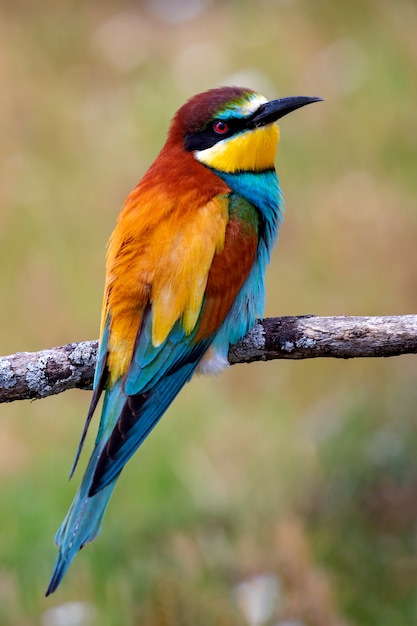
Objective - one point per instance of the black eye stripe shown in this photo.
(208, 137)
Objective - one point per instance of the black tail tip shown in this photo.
(58, 573)
(51, 588)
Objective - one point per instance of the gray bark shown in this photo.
(29, 375)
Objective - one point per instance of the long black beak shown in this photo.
(275, 109)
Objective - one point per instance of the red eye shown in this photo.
(220, 127)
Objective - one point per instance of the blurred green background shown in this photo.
(280, 493)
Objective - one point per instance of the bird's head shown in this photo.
(231, 129)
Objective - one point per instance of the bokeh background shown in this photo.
(280, 494)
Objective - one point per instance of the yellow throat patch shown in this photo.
(250, 151)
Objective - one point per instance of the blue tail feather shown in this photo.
(98, 386)
(81, 526)
(114, 446)
(83, 521)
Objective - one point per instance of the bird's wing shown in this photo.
(158, 259)
(193, 285)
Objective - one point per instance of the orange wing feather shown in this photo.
(161, 252)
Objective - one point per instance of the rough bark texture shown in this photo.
(309, 336)
(29, 375)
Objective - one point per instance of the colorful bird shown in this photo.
(184, 280)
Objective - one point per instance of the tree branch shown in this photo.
(30, 375)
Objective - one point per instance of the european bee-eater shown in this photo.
(184, 280)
